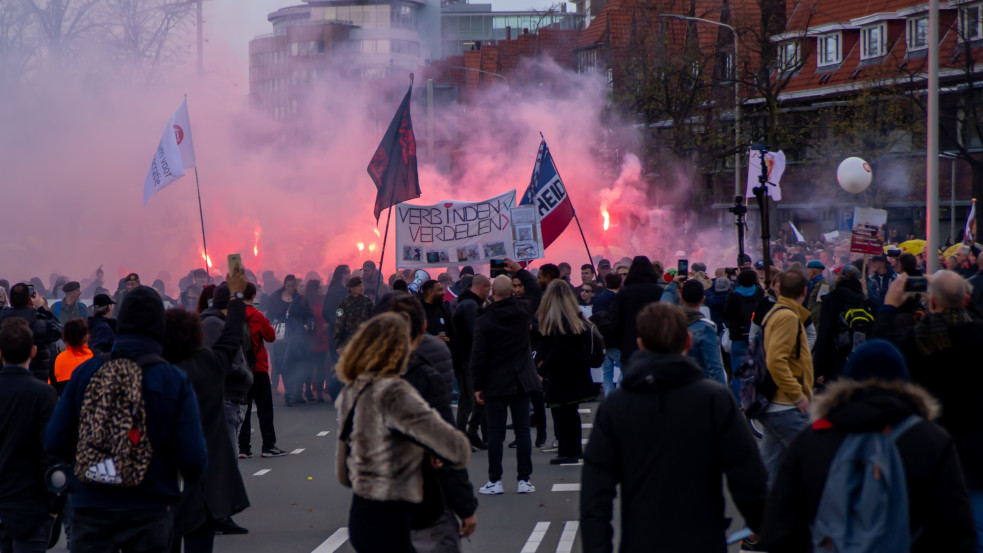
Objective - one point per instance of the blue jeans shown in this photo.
(780, 428)
(976, 500)
(738, 350)
(612, 358)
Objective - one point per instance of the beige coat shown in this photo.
(793, 374)
(382, 459)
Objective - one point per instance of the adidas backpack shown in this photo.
(113, 446)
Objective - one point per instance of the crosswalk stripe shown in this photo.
(583, 411)
(583, 441)
(579, 463)
(323, 433)
(587, 425)
(568, 537)
(565, 488)
(536, 537)
(297, 451)
(335, 541)
(261, 472)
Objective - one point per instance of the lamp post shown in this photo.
(952, 157)
(737, 97)
(932, 178)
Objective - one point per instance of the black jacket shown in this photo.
(46, 332)
(102, 334)
(454, 483)
(938, 501)
(641, 288)
(220, 491)
(667, 436)
(239, 376)
(25, 409)
(563, 364)
(469, 307)
(951, 376)
(739, 311)
(828, 360)
(438, 356)
(501, 357)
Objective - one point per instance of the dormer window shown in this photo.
(788, 55)
(829, 49)
(970, 22)
(873, 41)
(917, 33)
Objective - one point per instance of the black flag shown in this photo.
(393, 167)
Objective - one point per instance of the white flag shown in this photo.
(776, 167)
(166, 166)
(798, 235)
(182, 133)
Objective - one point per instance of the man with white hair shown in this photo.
(504, 377)
(942, 351)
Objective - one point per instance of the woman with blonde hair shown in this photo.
(564, 365)
(387, 431)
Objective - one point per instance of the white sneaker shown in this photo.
(526, 486)
(493, 488)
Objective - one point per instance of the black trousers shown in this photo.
(566, 425)
(465, 403)
(260, 393)
(380, 526)
(538, 414)
(497, 410)
(112, 531)
(199, 540)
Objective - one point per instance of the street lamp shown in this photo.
(737, 97)
(486, 73)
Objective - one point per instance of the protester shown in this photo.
(26, 405)
(321, 343)
(640, 289)
(374, 289)
(564, 367)
(44, 326)
(128, 284)
(739, 310)
(789, 363)
(976, 281)
(208, 505)
(693, 435)
(470, 305)
(102, 325)
(110, 518)
(587, 276)
(386, 427)
(3, 298)
(70, 307)
(289, 311)
(818, 288)
(705, 347)
(835, 338)
(504, 377)
(354, 310)
(874, 395)
(439, 321)
(879, 280)
(76, 337)
(585, 296)
(261, 332)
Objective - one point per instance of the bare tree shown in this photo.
(147, 34)
(18, 48)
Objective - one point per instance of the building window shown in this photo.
(788, 56)
(970, 22)
(917, 33)
(729, 66)
(829, 49)
(873, 41)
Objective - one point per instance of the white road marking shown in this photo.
(261, 472)
(323, 433)
(583, 441)
(332, 544)
(587, 425)
(579, 463)
(583, 411)
(568, 537)
(535, 538)
(565, 488)
(297, 451)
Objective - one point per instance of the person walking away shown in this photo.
(102, 325)
(564, 366)
(337, 290)
(504, 377)
(140, 518)
(388, 433)
(220, 493)
(26, 512)
(261, 332)
(873, 395)
(70, 307)
(739, 309)
(847, 318)
(470, 305)
(76, 337)
(640, 289)
(789, 363)
(694, 434)
(321, 343)
(601, 316)
(31, 308)
(705, 348)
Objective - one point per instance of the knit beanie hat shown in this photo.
(220, 300)
(142, 312)
(876, 359)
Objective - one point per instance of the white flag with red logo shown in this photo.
(174, 153)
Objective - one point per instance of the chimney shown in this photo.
(508, 32)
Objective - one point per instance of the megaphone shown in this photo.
(419, 277)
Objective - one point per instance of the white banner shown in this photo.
(182, 134)
(175, 148)
(452, 234)
(776, 167)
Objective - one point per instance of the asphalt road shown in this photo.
(298, 504)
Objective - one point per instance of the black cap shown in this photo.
(604, 264)
(132, 277)
(102, 300)
(355, 281)
(71, 287)
(220, 300)
(142, 313)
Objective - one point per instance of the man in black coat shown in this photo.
(43, 325)
(667, 436)
(470, 304)
(504, 376)
(25, 408)
(640, 289)
(829, 357)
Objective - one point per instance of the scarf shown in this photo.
(932, 330)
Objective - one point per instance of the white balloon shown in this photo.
(854, 175)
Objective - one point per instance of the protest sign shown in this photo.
(869, 231)
(527, 233)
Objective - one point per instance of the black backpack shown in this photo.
(854, 325)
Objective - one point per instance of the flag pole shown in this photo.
(385, 237)
(580, 228)
(201, 215)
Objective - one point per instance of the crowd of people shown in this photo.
(866, 346)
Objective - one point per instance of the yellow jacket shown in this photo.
(793, 374)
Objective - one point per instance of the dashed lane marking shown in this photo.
(536, 537)
(261, 472)
(565, 488)
(335, 541)
(323, 433)
(568, 537)
(587, 425)
(583, 411)
(297, 451)
(579, 463)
